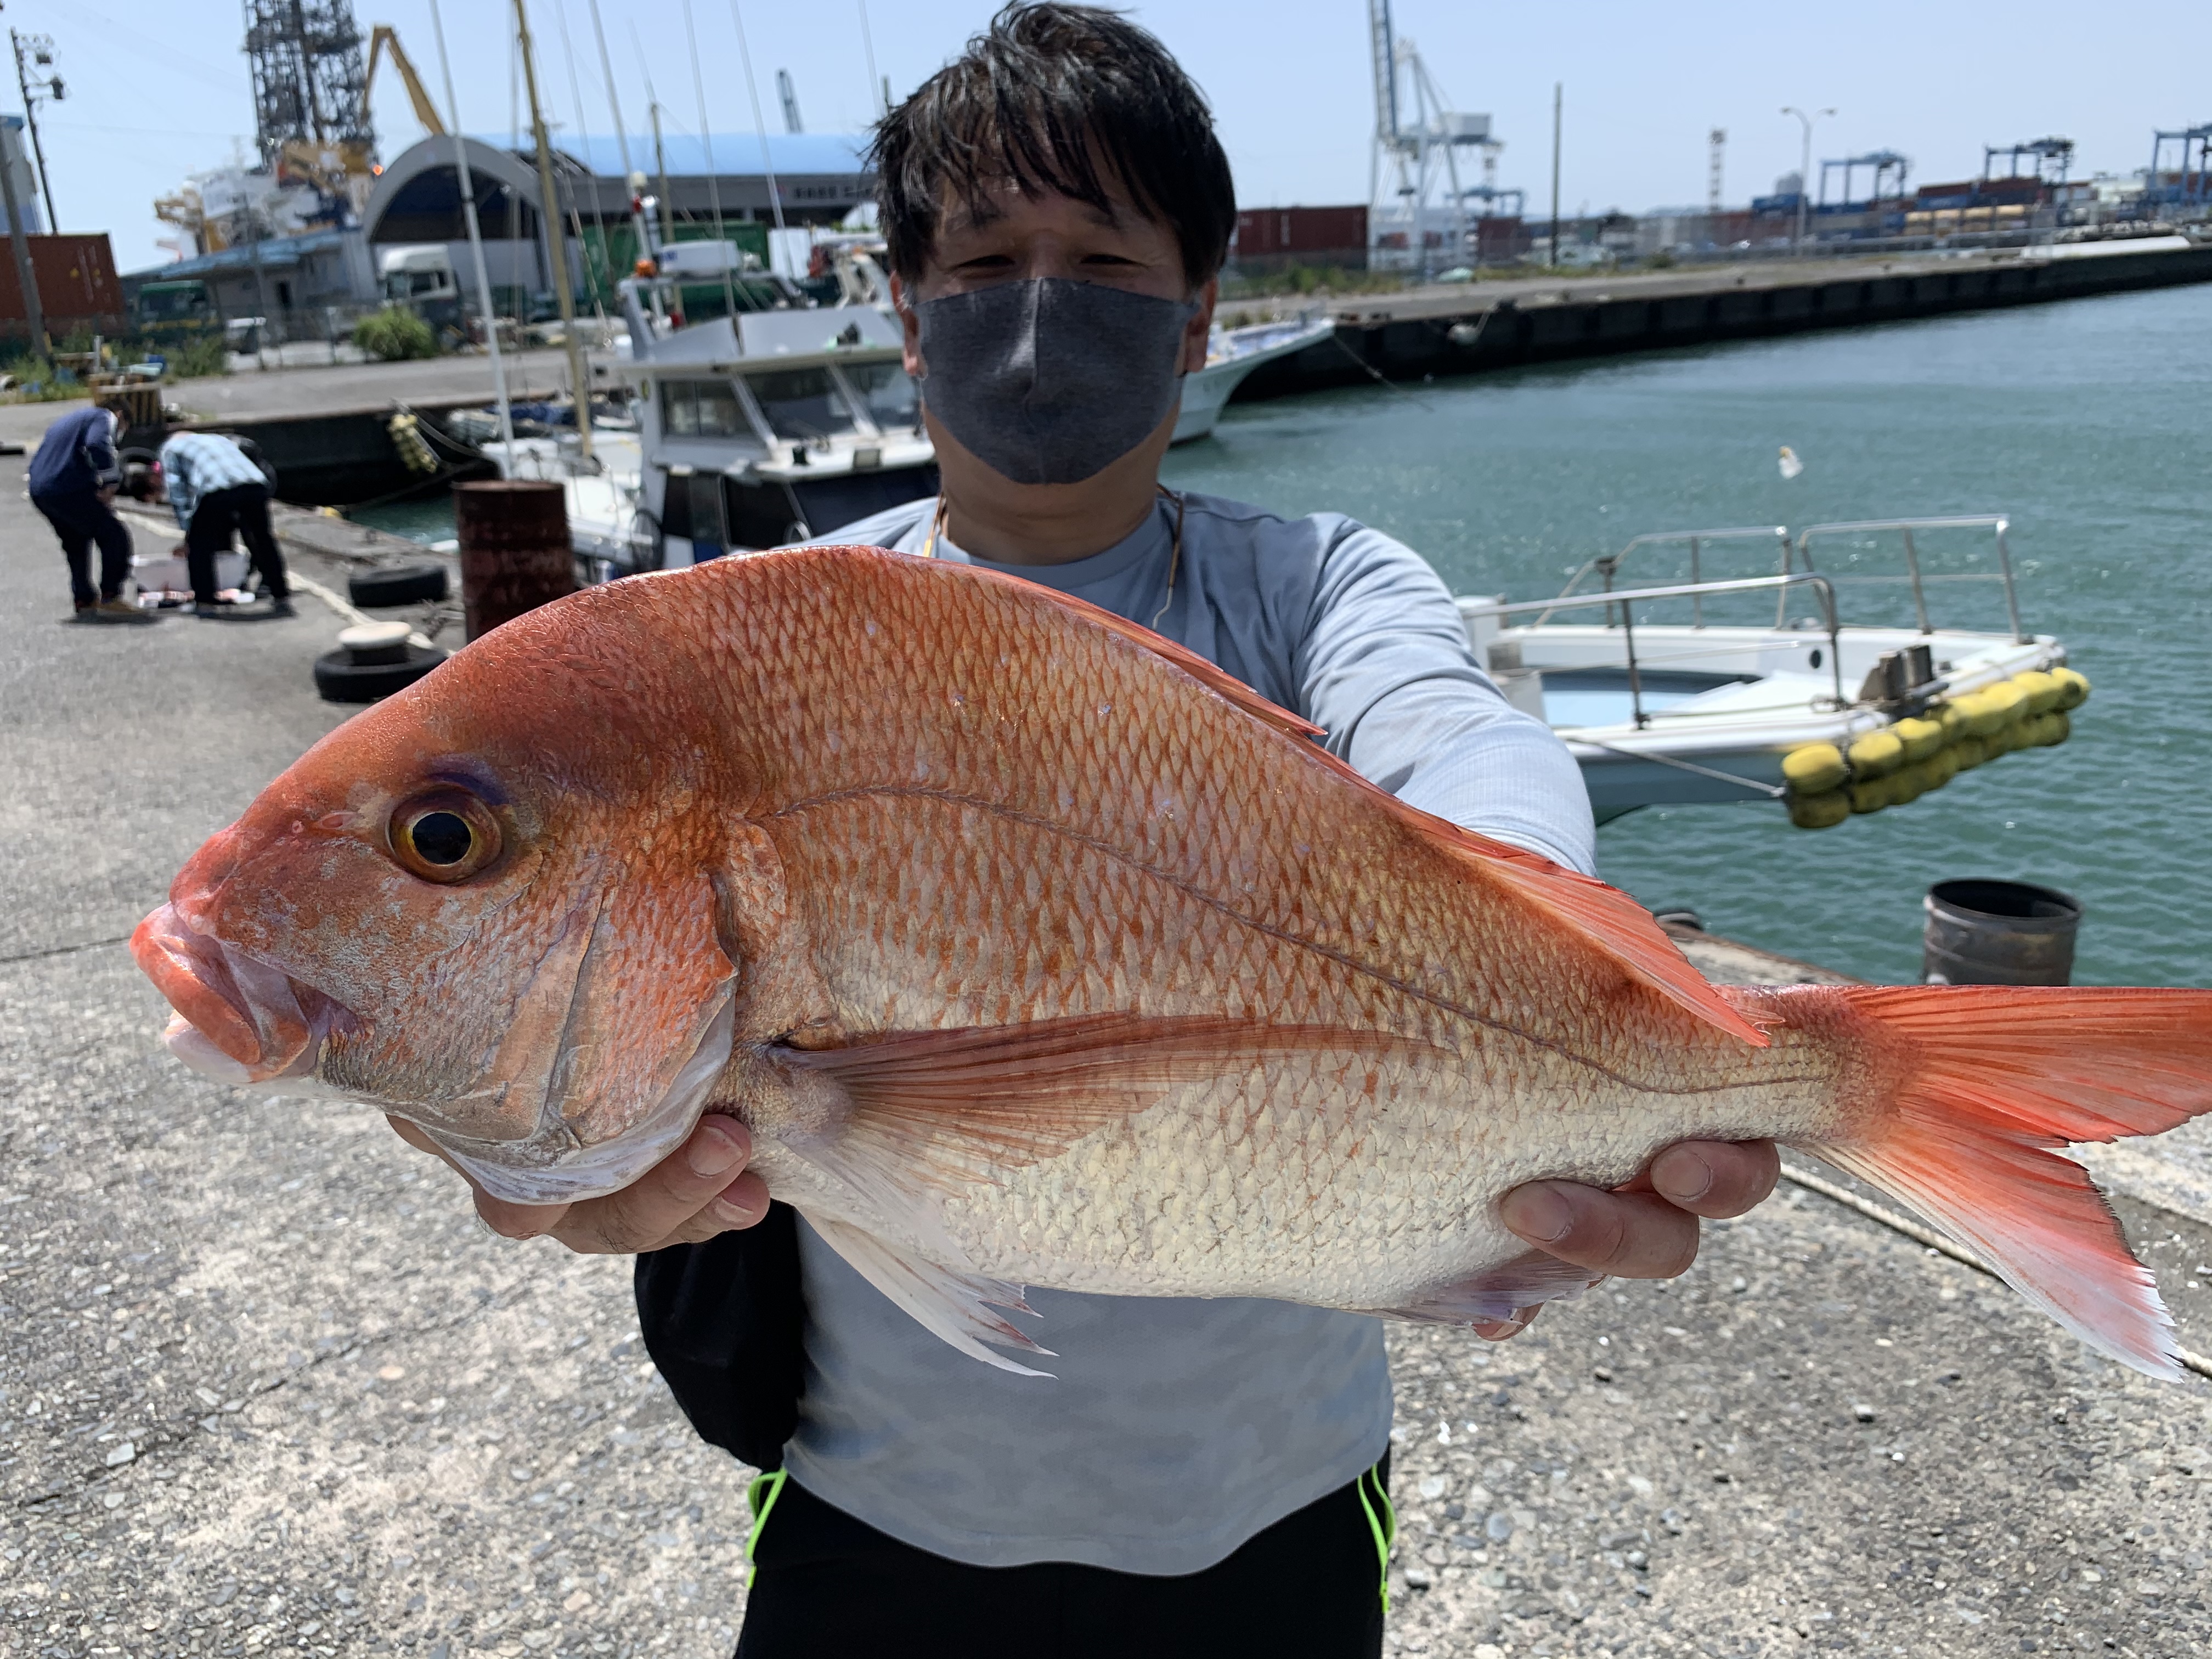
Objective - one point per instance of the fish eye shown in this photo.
(444, 836)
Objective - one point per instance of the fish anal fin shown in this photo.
(1527, 1281)
(959, 1308)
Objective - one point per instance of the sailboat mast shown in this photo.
(556, 241)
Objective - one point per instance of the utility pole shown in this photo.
(1559, 101)
(549, 210)
(40, 49)
(1719, 139)
(1804, 171)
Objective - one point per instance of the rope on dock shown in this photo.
(1934, 1240)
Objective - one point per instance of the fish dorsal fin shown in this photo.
(1607, 917)
(1616, 923)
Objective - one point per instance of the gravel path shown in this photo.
(264, 1385)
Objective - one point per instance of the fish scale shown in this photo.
(1033, 950)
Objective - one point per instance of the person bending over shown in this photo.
(73, 477)
(218, 492)
(1202, 1477)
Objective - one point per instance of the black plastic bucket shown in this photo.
(1999, 933)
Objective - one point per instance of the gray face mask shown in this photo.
(1049, 380)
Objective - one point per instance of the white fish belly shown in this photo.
(1299, 1181)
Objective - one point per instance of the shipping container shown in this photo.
(77, 287)
(1263, 231)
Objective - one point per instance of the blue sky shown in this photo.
(159, 88)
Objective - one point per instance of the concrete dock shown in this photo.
(264, 1385)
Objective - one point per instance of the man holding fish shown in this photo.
(1043, 968)
(1194, 1460)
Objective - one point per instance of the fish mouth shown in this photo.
(238, 1019)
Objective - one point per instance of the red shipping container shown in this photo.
(1262, 231)
(77, 287)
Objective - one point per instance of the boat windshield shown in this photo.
(702, 409)
(801, 403)
(887, 393)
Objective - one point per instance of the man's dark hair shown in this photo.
(1057, 98)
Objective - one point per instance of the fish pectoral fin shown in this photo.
(968, 1102)
(958, 1307)
(1496, 1293)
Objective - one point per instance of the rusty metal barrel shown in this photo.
(1999, 933)
(515, 551)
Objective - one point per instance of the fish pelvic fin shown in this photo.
(1998, 1079)
(960, 1308)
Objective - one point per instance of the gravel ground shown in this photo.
(263, 1383)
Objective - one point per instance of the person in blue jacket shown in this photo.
(74, 477)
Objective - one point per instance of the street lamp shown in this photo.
(1804, 169)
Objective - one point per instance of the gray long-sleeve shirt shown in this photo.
(1173, 1429)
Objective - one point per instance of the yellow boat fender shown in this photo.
(1821, 812)
(2043, 691)
(2074, 688)
(1952, 721)
(1869, 795)
(2051, 730)
(1995, 707)
(1921, 737)
(1814, 769)
(1970, 751)
(1875, 755)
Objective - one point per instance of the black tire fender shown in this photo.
(340, 679)
(399, 584)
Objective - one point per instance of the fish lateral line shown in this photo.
(1342, 958)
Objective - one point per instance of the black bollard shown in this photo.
(515, 551)
(1998, 932)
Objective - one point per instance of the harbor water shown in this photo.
(2084, 420)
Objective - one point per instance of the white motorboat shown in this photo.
(1828, 715)
(1231, 354)
(753, 429)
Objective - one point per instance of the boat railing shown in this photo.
(1914, 575)
(1627, 597)
(1607, 565)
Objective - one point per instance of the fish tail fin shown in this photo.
(1997, 1078)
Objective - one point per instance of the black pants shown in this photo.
(826, 1586)
(81, 520)
(242, 509)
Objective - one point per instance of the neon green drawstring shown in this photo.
(760, 1498)
(1385, 1526)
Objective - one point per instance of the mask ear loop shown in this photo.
(1175, 555)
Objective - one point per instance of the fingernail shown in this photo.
(1681, 1185)
(736, 1214)
(1538, 1213)
(712, 1151)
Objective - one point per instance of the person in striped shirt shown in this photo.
(217, 491)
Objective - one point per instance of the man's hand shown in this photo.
(1647, 1229)
(700, 1189)
(106, 493)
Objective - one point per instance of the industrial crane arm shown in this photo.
(425, 111)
